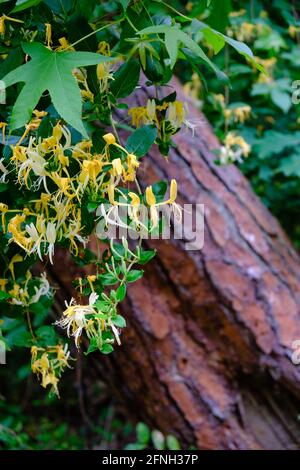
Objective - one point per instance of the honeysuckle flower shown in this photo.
(44, 289)
(3, 127)
(239, 114)
(36, 239)
(75, 317)
(51, 238)
(18, 234)
(117, 167)
(4, 170)
(109, 138)
(48, 364)
(3, 210)
(151, 201)
(4, 18)
(234, 149)
(48, 38)
(3, 283)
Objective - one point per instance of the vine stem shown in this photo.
(175, 11)
(94, 32)
(29, 324)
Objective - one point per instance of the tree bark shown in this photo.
(206, 354)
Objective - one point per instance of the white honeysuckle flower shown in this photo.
(75, 317)
(43, 290)
(51, 237)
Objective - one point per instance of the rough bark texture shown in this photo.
(206, 355)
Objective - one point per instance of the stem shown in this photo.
(94, 32)
(29, 324)
(131, 24)
(175, 11)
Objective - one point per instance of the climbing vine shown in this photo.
(71, 151)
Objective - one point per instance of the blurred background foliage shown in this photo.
(255, 106)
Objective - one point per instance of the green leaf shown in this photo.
(218, 17)
(181, 37)
(217, 41)
(47, 333)
(51, 71)
(146, 256)
(141, 140)
(119, 321)
(171, 43)
(93, 346)
(107, 348)
(274, 143)
(24, 4)
(4, 295)
(126, 79)
(135, 446)
(121, 292)
(143, 433)
(172, 443)
(134, 275)
(124, 3)
(281, 99)
(290, 166)
(239, 46)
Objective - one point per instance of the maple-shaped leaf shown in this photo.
(51, 71)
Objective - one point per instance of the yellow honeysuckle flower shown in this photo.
(15, 259)
(91, 278)
(4, 18)
(139, 115)
(150, 198)
(3, 127)
(3, 210)
(90, 170)
(176, 113)
(87, 94)
(64, 44)
(48, 35)
(3, 283)
(151, 201)
(104, 48)
(117, 167)
(74, 317)
(135, 200)
(109, 138)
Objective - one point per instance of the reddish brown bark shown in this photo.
(206, 355)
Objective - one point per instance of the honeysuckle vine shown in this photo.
(65, 170)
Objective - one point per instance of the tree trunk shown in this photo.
(206, 354)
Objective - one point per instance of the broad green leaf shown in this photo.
(290, 166)
(220, 10)
(141, 140)
(181, 37)
(47, 334)
(24, 4)
(281, 99)
(239, 46)
(51, 71)
(171, 43)
(274, 143)
(126, 79)
(215, 40)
